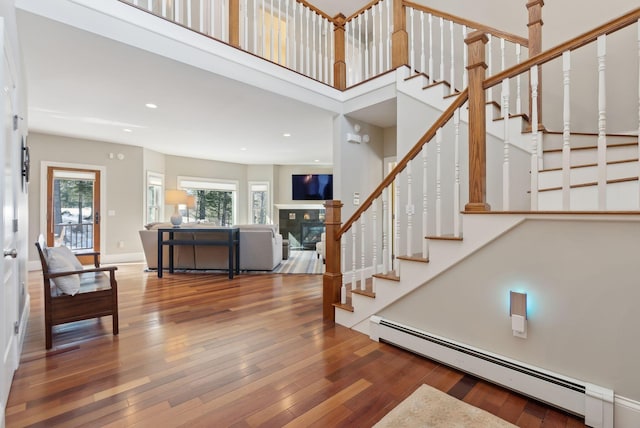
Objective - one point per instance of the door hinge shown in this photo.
(15, 225)
(16, 327)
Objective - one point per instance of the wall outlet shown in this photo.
(120, 244)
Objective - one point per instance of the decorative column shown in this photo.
(399, 38)
(340, 64)
(234, 23)
(535, 47)
(332, 278)
(476, 69)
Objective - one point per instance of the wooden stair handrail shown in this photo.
(573, 44)
(415, 151)
(475, 25)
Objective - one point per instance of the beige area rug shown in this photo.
(428, 407)
(301, 262)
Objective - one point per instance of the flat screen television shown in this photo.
(307, 187)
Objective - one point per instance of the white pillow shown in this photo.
(58, 261)
(66, 253)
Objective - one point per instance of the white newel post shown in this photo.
(505, 160)
(566, 131)
(534, 138)
(602, 124)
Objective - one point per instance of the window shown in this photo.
(259, 203)
(215, 200)
(155, 185)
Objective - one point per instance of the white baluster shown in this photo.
(359, 52)
(343, 288)
(452, 71)
(441, 76)
(431, 79)
(264, 30)
(307, 45)
(385, 230)
(425, 204)
(363, 250)
(465, 60)
(380, 39)
(201, 16)
(177, 11)
(456, 186)
(396, 225)
(374, 235)
(374, 51)
(350, 53)
(566, 132)
(135, 2)
(223, 22)
(331, 55)
(278, 41)
(354, 284)
(319, 48)
(296, 8)
(489, 64)
(409, 210)
(366, 45)
(285, 61)
(314, 67)
(389, 33)
(534, 138)
(164, 8)
(501, 54)
(438, 183)
(518, 82)
(271, 38)
(213, 19)
(423, 59)
(149, 5)
(505, 157)
(256, 27)
(602, 123)
(189, 13)
(412, 64)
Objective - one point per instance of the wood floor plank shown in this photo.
(202, 350)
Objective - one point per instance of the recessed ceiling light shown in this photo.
(244, 149)
(127, 130)
(316, 160)
(286, 134)
(151, 105)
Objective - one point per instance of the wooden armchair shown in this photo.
(97, 296)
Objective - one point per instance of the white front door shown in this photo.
(9, 187)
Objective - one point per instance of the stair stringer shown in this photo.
(479, 231)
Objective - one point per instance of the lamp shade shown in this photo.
(191, 201)
(175, 197)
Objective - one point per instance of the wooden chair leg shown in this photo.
(48, 332)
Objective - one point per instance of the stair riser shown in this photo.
(590, 156)
(551, 179)
(554, 141)
(620, 197)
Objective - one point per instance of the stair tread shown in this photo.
(445, 238)
(415, 258)
(389, 276)
(346, 307)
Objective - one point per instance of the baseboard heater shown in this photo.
(593, 402)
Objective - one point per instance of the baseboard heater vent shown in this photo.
(591, 401)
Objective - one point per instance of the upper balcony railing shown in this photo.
(343, 51)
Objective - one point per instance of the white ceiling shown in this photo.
(87, 86)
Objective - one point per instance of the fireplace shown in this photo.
(310, 234)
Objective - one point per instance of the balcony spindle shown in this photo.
(374, 42)
(389, 33)
(366, 45)
(602, 123)
(307, 45)
(271, 55)
(566, 131)
(212, 18)
(363, 251)
(441, 77)
(359, 51)
(374, 238)
(412, 63)
(149, 5)
(431, 79)
(518, 81)
(189, 19)
(423, 59)
(409, 209)
(177, 11)
(286, 34)
(164, 8)
(224, 33)
(505, 154)
(314, 65)
(278, 39)
(438, 183)
(380, 38)
(490, 65)
(452, 69)
(534, 138)
(256, 27)
(465, 60)
(354, 284)
(425, 204)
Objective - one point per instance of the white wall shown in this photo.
(581, 283)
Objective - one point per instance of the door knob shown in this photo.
(13, 253)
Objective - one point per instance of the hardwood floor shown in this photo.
(201, 350)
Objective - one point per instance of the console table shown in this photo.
(231, 241)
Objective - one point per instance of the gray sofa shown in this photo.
(260, 248)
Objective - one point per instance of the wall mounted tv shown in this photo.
(307, 187)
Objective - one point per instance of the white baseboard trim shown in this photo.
(626, 412)
(34, 265)
(24, 321)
